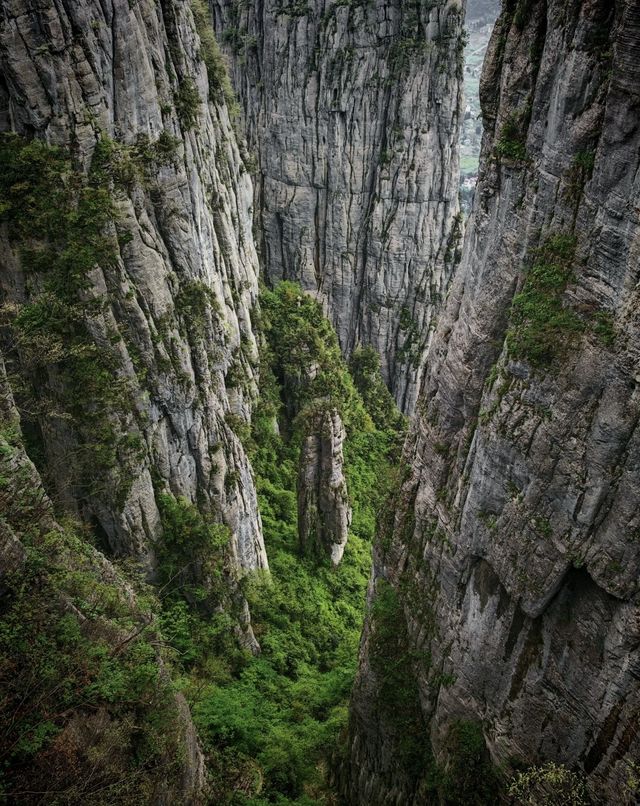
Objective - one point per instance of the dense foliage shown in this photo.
(62, 224)
(549, 785)
(393, 662)
(88, 715)
(220, 89)
(543, 325)
(271, 722)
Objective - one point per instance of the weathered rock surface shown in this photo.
(175, 306)
(514, 547)
(352, 112)
(84, 759)
(324, 513)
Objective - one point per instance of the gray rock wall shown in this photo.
(71, 73)
(351, 110)
(324, 514)
(513, 547)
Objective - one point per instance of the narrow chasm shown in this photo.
(319, 402)
(271, 723)
(479, 21)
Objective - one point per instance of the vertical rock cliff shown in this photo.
(128, 282)
(324, 513)
(128, 271)
(511, 559)
(351, 110)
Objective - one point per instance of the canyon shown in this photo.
(261, 384)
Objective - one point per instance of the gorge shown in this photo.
(311, 491)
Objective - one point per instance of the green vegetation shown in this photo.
(543, 526)
(192, 549)
(549, 785)
(196, 304)
(585, 160)
(303, 352)
(604, 328)
(409, 352)
(522, 14)
(410, 44)
(453, 254)
(121, 167)
(220, 88)
(542, 327)
(293, 8)
(468, 778)
(269, 723)
(365, 371)
(579, 173)
(465, 775)
(85, 709)
(308, 372)
(398, 695)
(187, 100)
(62, 224)
(513, 137)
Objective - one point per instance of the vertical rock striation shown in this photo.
(324, 513)
(513, 548)
(123, 90)
(352, 111)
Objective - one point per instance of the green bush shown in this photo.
(197, 305)
(512, 141)
(604, 327)
(187, 100)
(79, 669)
(192, 551)
(220, 88)
(549, 785)
(286, 708)
(365, 370)
(542, 328)
(468, 777)
(61, 222)
(392, 662)
(306, 357)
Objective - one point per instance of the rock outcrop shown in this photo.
(324, 513)
(352, 112)
(513, 548)
(160, 362)
(78, 604)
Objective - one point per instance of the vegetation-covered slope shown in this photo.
(88, 709)
(272, 722)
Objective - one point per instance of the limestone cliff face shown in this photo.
(351, 110)
(324, 513)
(96, 738)
(513, 549)
(123, 89)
